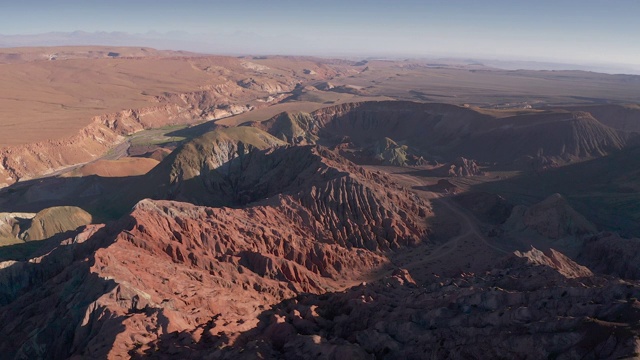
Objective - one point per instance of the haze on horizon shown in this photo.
(592, 32)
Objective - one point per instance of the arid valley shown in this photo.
(170, 204)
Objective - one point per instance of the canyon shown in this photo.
(294, 207)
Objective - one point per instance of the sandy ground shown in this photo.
(49, 99)
(126, 166)
(42, 99)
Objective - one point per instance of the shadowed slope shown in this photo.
(448, 131)
(180, 267)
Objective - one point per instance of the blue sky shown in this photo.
(589, 31)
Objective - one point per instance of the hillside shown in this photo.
(158, 204)
(445, 132)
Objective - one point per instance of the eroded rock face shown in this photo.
(10, 224)
(166, 282)
(223, 89)
(242, 221)
(294, 128)
(191, 172)
(544, 140)
(608, 253)
(464, 167)
(19, 227)
(533, 142)
(307, 173)
(270, 87)
(55, 220)
(552, 218)
(553, 259)
(177, 268)
(23, 162)
(531, 310)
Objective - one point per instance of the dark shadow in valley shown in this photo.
(29, 249)
(395, 319)
(34, 325)
(606, 190)
(90, 193)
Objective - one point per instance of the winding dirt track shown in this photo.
(469, 225)
(472, 228)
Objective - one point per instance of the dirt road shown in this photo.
(469, 226)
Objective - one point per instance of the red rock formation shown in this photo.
(176, 267)
(531, 310)
(256, 264)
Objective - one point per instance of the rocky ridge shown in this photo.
(609, 253)
(551, 218)
(18, 227)
(450, 132)
(220, 97)
(500, 314)
(330, 225)
(102, 134)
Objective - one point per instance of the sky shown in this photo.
(581, 32)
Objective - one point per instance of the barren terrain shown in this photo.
(176, 205)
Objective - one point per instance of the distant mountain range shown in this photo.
(235, 43)
(151, 39)
(243, 43)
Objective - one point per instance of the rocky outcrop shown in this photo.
(200, 170)
(552, 259)
(293, 128)
(23, 162)
(608, 253)
(315, 181)
(311, 223)
(10, 225)
(462, 167)
(552, 218)
(270, 87)
(165, 282)
(55, 220)
(312, 175)
(534, 141)
(178, 267)
(388, 152)
(528, 311)
(19, 227)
